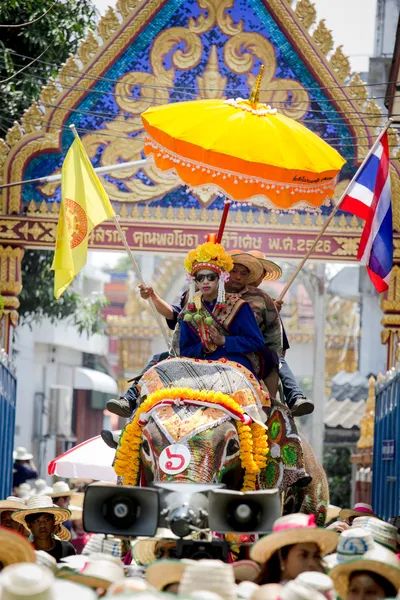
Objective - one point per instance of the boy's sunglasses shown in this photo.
(209, 277)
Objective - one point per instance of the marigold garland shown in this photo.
(253, 438)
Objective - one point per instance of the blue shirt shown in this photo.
(245, 337)
(22, 473)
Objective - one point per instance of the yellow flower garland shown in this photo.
(253, 438)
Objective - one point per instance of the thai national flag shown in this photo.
(369, 197)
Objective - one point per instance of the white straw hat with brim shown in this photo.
(246, 570)
(24, 491)
(360, 510)
(332, 512)
(21, 453)
(209, 575)
(294, 590)
(41, 504)
(41, 487)
(269, 591)
(144, 549)
(95, 574)
(166, 572)
(352, 543)
(15, 548)
(272, 271)
(317, 581)
(245, 589)
(380, 561)
(36, 582)
(253, 264)
(128, 586)
(292, 529)
(382, 532)
(61, 488)
(46, 560)
(12, 503)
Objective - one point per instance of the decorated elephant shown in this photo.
(211, 422)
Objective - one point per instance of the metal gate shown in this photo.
(8, 395)
(386, 462)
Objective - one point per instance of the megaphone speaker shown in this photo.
(243, 512)
(121, 510)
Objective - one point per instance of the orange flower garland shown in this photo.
(253, 438)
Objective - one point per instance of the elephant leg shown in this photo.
(313, 498)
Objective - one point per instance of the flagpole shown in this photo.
(332, 214)
(124, 241)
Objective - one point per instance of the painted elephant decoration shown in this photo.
(211, 422)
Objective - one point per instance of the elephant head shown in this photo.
(210, 436)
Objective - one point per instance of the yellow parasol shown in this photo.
(243, 149)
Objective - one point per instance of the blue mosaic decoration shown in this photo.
(104, 105)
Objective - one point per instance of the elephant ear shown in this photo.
(251, 406)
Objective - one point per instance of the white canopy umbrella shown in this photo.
(89, 460)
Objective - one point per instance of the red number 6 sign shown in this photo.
(174, 459)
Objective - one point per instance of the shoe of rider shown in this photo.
(108, 438)
(125, 405)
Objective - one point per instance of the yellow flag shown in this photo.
(84, 204)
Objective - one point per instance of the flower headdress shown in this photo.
(209, 256)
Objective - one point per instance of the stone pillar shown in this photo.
(10, 288)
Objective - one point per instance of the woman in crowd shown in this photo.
(296, 545)
(364, 569)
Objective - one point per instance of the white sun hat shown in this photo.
(21, 453)
(46, 560)
(295, 590)
(41, 488)
(61, 488)
(95, 574)
(25, 491)
(268, 591)
(382, 532)
(35, 582)
(352, 544)
(209, 575)
(128, 586)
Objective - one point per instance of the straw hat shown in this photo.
(61, 488)
(382, 532)
(41, 487)
(296, 528)
(272, 271)
(76, 512)
(209, 575)
(144, 549)
(166, 572)
(15, 548)
(128, 586)
(41, 504)
(46, 560)
(24, 491)
(12, 503)
(360, 510)
(317, 581)
(269, 591)
(245, 589)
(295, 590)
(332, 512)
(253, 264)
(95, 574)
(36, 582)
(246, 570)
(379, 560)
(21, 453)
(352, 543)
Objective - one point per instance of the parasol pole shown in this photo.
(135, 266)
(254, 99)
(334, 211)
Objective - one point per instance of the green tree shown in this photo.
(38, 302)
(337, 465)
(58, 33)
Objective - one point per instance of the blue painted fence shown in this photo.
(8, 394)
(386, 461)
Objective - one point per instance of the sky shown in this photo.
(352, 23)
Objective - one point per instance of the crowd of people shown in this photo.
(45, 554)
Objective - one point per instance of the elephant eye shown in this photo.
(233, 447)
(146, 449)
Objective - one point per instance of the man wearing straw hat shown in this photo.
(44, 520)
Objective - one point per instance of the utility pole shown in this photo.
(318, 389)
